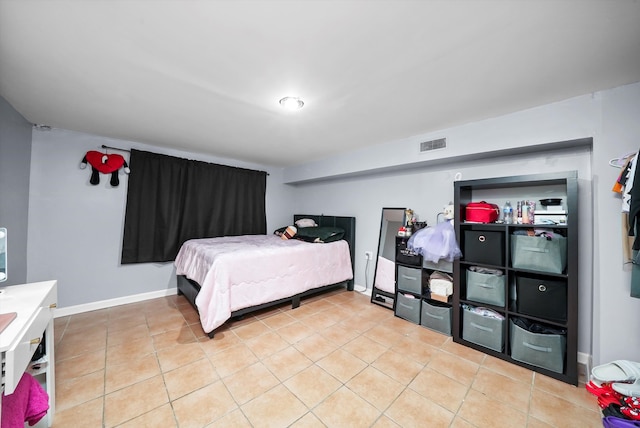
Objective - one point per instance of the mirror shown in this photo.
(3, 254)
(384, 279)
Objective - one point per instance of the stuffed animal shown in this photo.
(106, 164)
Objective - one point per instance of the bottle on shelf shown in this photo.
(525, 213)
(507, 213)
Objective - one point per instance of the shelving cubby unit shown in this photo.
(524, 187)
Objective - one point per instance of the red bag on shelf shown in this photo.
(481, 212)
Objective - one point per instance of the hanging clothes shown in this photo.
(621, 181)
(634, 226)
(635, 276)
(623, 186)
(628, 184)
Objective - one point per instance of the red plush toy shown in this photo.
(106, 164)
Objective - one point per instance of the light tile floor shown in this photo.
(336, 361)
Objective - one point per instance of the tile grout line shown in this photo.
(306, 321)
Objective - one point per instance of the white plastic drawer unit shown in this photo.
(34, 305)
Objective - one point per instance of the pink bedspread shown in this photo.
(237, 272)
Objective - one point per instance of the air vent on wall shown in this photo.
(440, 143)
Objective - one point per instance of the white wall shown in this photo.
(15, 159)
(615, 312)
(75, 228)
(525, 131)
(610, 117)
(427, 190)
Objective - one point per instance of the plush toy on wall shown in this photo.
(106, 164)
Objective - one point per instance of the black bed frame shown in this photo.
(189, 288)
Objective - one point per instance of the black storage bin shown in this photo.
(404, 256)
(485, 247)
(542, 297)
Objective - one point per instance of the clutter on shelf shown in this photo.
(436, 243)
(551, 211)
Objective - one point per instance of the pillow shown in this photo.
(289, 232)
(306, 222)
(320, 234)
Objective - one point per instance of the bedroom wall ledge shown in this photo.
(405, 166)
(564, 124)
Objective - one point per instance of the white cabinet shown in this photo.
(33, 303)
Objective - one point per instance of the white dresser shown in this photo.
(34, 304)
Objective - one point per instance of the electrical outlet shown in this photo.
(368, 255)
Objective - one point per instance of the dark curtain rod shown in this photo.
(115, 148)
(125, 150)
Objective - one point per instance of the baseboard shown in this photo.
(584, 367)
(102, 304)
(362, 289)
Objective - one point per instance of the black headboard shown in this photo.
(346, 223)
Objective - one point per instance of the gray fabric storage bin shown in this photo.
(539, 253)
(410, 279)
(442, 265)
(486, 288)
(485, 331)
(436, 318)
(541, 350)
(408, 308)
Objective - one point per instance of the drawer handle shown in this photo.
(35, 341)
(542, 288)
(53, 306)
(482, 238)
(535, 249)
(481, 327)
(433, 316)
(412, 278)
(536, 348)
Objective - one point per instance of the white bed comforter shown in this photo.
(237, 272)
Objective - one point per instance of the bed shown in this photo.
(229, 277)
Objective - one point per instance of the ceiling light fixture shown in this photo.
(291, 103)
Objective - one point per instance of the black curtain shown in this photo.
(171, 200)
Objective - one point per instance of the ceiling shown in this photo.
(206, 76)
